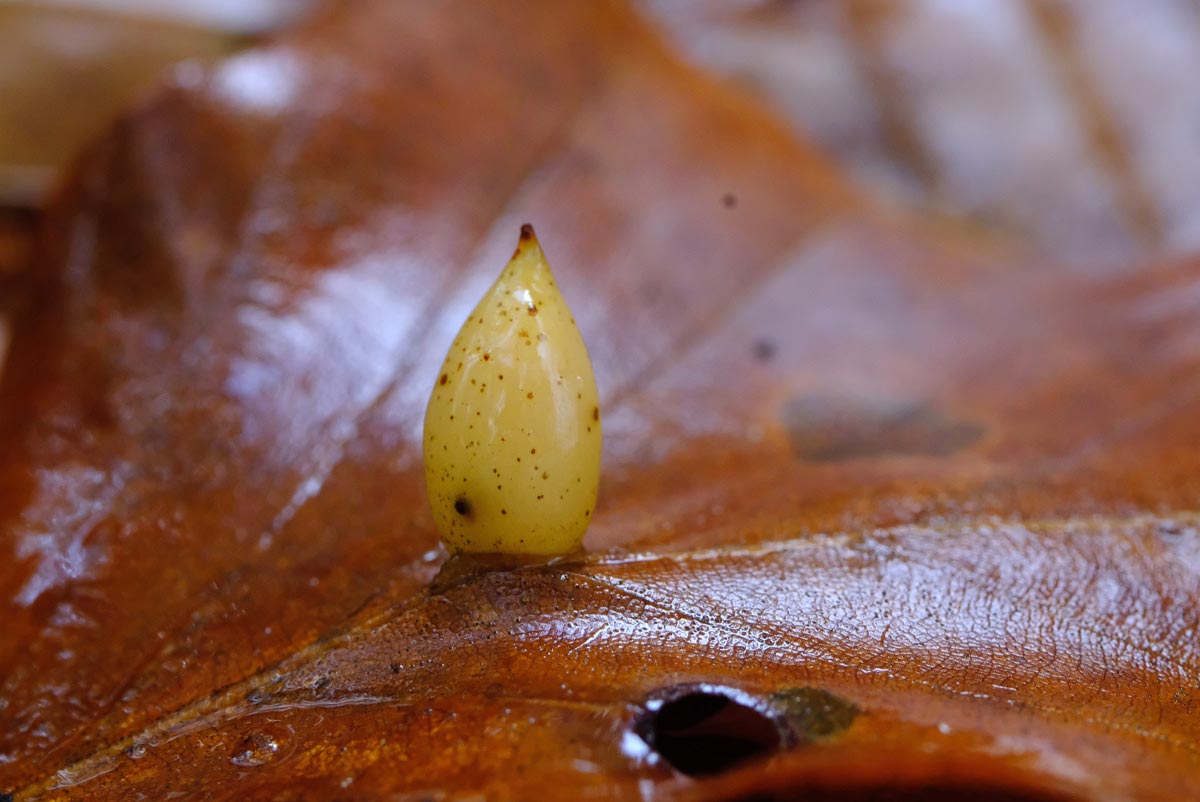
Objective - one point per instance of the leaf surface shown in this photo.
(848, 458)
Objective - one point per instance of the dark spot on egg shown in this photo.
(463, 507)
(533, 451)
(529, 395)
(595, 413)
(486, 357)
(532, 310)
(504, 512)
(444, 379)
(526, 231)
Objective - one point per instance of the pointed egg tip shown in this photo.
(527, 246)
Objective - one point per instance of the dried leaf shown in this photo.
(902, 514)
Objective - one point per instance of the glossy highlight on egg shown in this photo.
(512, 430)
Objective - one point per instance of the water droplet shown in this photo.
(255, 750)
(137, 751)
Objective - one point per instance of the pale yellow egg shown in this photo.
(512, 430)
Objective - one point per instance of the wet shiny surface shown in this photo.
(842, 452)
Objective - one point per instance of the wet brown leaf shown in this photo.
(1063, 128)
(924, 516)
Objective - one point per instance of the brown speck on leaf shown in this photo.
(729, 200)
(764, 349)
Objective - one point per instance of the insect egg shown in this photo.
(515, 418)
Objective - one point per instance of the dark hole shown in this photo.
(462, 506)
(705, 732)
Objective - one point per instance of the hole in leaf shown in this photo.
(704, 730)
